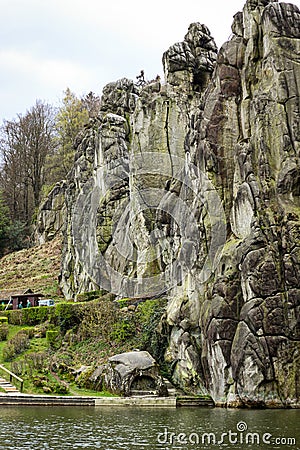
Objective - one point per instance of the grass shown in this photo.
(36, 268)
(75, 390)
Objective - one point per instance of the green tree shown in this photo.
(70, 119)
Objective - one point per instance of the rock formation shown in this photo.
(133, 373)
(190, 189)
(51, 214)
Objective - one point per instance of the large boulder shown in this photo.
(133, 373)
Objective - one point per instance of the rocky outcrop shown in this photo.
(250, 317)
(51, 214)
(130, 373)
(133, 373)
(191, 188)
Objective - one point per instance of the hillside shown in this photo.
(35, 268)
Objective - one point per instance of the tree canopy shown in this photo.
(36, 151)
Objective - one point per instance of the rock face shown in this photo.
(51, 214)
(191, 188)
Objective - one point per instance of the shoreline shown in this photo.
(55, 400)
(20, 399)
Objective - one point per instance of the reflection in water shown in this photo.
(47, 428)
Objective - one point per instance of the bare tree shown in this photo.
(24, 146)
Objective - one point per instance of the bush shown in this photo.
(17, 344)
(30, 316)
(88, 296)
(35, 361)
(52, 338)
(3, 331)
(50, 387)
(122, 330)
(68, 315)
(3, 319)
(98, 318)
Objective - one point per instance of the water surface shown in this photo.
(47, 428)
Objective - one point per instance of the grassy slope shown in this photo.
(36, 268)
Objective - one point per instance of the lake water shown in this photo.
(47, 428)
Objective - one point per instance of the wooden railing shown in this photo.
(12, 375)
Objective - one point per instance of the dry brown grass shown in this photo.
(36, 268)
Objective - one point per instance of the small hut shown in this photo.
(23, 299)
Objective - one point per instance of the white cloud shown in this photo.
(50, 72)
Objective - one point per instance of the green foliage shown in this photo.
(70, 119)
(3, 319)
(13, 234)
(17, 344)
(83, 380)
(5, 224)
(17, 236)
(34, 362)
(68, 315)
(122, 330)
(4, 218)
(3, 307)
(52, 338)
(98, 318)
(149, 315)
(91, 295)
(4, 330)
(50, 386)
(30, 316)
(123, 302)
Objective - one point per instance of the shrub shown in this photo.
(88, 296)
(30, 316)
(68, 315)
(52, 338)
(3, 331)
(98, 318)
(122, 330)
(3, 319)
(35, 361)
(17, 344)
(60, 388)
(9, 352)
(50, 387)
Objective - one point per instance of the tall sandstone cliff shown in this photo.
(190, 189)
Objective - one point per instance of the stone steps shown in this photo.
(191, 400)
(8, 387)
(16, 398)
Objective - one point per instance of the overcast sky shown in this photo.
(49, 45)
